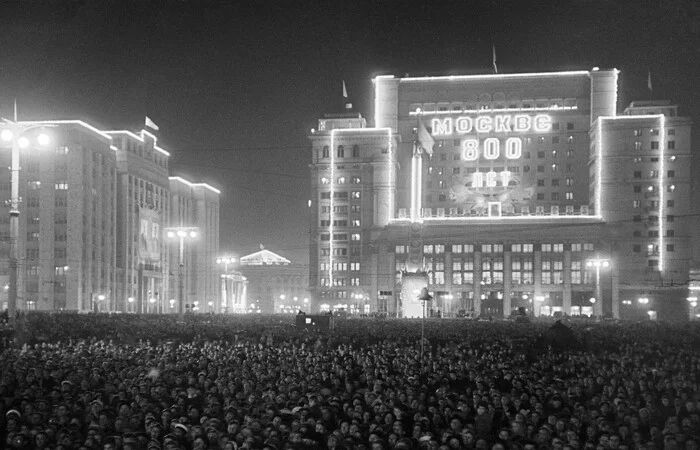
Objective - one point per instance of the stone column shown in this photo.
(566, 302)
(537, 268)
(477, 283)
(507, 283)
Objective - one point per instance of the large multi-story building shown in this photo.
(94, 206)
(504, 191)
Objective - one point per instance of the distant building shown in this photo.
(275, 284)
(508, 190)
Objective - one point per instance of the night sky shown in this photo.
(235, 88)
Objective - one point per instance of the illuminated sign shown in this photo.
(502, 123)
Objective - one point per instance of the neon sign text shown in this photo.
(490, 179)
(492, 149)
(503, 123)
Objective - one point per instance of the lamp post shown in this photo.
(131, 303)
(225, 260)
(597, 264)
(182, 234)
(15, 133)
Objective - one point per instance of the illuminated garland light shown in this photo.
(67, 122)
(491, 110)
(662, 170)
(195, 185)
(662, 178)
(141, 138)
(330, 212)
(497, 76)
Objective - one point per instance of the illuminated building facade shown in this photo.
(508, 191)
(94, 206)
(274, 283)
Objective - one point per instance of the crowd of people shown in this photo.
(139, 382)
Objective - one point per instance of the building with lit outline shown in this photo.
(94, 206)
(530, 190)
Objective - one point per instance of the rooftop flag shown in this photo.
(495, 67)
(151, 124)
(425, 140)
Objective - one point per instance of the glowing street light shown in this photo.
(16, 134)
(182, 234)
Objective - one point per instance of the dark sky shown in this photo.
(235, 86)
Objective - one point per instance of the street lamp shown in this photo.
(597, 264)
(131, 303)
(15, 133)
(182, 234)
(225, 260)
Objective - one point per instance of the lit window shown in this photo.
(569, 195)
(555, 167)
(355, 194)
(341, 180)
(355, 236)
(325, 180)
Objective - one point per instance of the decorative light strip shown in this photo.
(195, 185)
(497, 76)
(114, 148)
(67, 122)
(330, 212)
(662, 179)
(491, 110)
(488, 220)
(141, 138)
(662, 171)
(599, 169)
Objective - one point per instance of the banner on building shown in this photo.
(149, 235)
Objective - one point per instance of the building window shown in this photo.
(341, 151)
(569, 195)
(492, 270)
(355, 194)
(325, 180)
(671, 145)
(654, 145)
(326, 152)
(555, 167)
(341, 180)
(61, 186)
(355, 236)
(671, 173)
(576, 272)
(355, 180)
(522, 270)
(356, 151)
(569, 126)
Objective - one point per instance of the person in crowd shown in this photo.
(131, 382)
